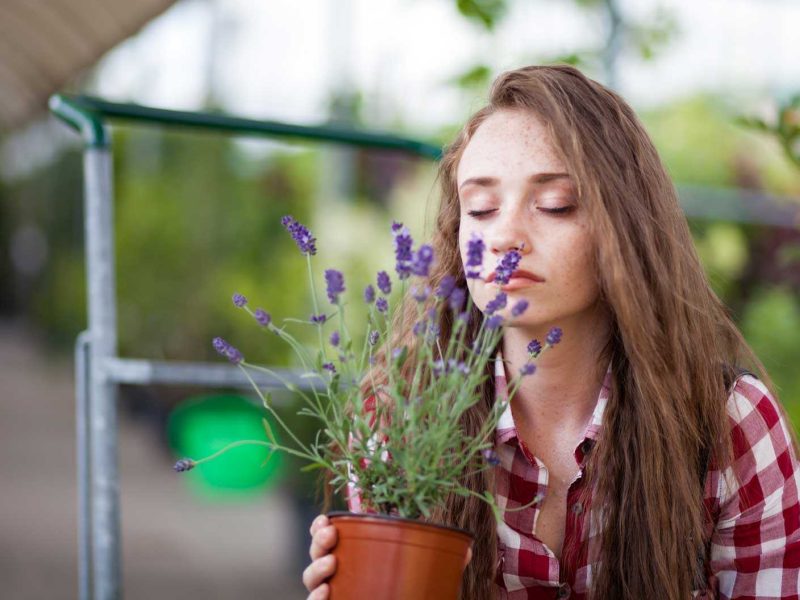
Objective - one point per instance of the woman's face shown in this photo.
(514, 192)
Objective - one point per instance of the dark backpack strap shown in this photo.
(730, 375)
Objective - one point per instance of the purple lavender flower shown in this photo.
(328, 366)
(490, 456)
(419, 328)
(553, 336)
(422, 261)
(402, 252)
(534, 348)
(475, 248)
(438, 367)
(373, 338)
(226, 350)
(384, 283)
(494, 322)
(335, 339)
(396, 226)
(397, 352)
(301, 235)
(239, 300)
(369, 294)
(507, 266)
(320, 318)
(262, 316)
(457, 297)
(494, 305)
(234, 355)
(446, 286)
(334, 282)
(382, 305)
(527, 369)
(420, 293)
(519, 308)
(220, 345)
(184, 464)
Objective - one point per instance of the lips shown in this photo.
(519, 273)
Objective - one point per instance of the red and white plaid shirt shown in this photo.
(755, 543)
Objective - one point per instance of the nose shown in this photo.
(509, 234)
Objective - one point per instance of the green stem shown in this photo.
(316, 306)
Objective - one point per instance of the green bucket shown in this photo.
(202, 425)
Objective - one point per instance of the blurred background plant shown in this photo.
(198, 215)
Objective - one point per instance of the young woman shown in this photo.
(660, 470)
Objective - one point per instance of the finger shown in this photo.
(321, 593)
(322, 542)
(319, 522)
(318, 571)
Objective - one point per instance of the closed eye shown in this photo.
(480, 213)
(559, 210)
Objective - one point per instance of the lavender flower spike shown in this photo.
(301, 235)
(490, 456)
(384, 283)
(382, 305)
(184, 464)
(369, 294)
(335, 339)
(320, 318)
(373, 338)
(554, 336)
(239, 300)
(475, 248)
(446, 287)
(228, 351)
(534, 348)
(494, 322)
(457, 297)
(262, 316)
(494, 305)
(234, 355)
(220, 345)
(334, 281)
(519, 308)
(507, 266)
(527, 369)
(402, 252)
(422, 261)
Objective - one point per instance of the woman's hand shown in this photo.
(323, 563)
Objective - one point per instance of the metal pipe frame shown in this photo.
(98, 369)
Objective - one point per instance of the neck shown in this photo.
(563, 391)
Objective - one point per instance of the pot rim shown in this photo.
(385, 517)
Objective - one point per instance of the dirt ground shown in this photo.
(173, 545)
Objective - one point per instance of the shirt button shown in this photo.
(563, 591)
(577, 508)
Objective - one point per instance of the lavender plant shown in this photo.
(402, 446)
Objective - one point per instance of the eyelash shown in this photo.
(556, 211)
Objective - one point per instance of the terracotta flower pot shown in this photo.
(390, 558)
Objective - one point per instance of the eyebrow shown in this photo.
(535, 178)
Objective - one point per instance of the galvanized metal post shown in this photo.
(101, 294)
(82, 460)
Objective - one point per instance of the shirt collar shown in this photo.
(507, 431)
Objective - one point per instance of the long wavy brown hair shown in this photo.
(671, 337)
